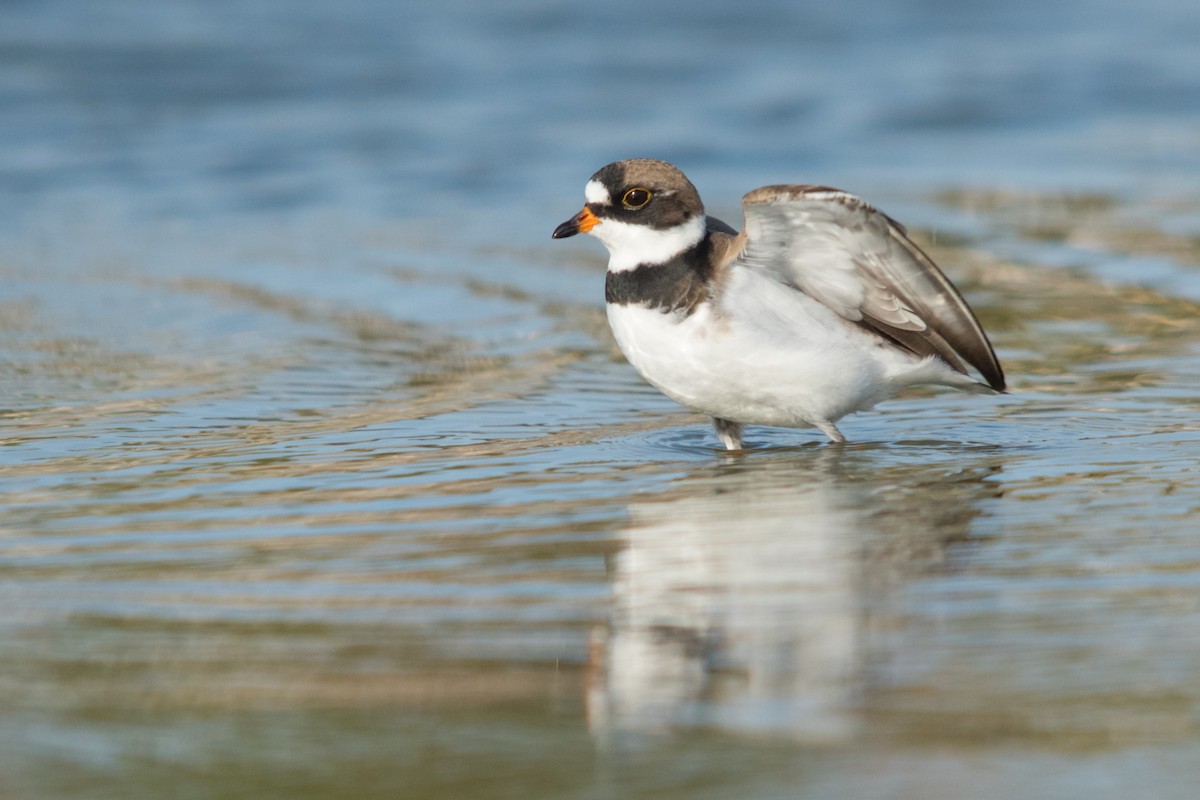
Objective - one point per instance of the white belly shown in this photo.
(767, 355)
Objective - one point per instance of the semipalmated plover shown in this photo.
(820, 307)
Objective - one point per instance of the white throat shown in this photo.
(631, 245)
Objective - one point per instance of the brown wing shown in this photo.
(859, 262)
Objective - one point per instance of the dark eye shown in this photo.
(636, 198)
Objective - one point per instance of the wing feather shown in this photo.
(859, 262)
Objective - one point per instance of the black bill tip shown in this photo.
(568, 228)
(582, 222)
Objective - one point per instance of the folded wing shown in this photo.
(859, 262)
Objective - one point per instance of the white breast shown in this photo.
(767, 355)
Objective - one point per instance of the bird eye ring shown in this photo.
(635, 198)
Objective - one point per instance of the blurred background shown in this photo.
(320, 475)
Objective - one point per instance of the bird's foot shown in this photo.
(730, 433)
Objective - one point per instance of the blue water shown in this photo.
(492, 115)
(320, 474)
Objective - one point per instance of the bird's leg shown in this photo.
(830, 430)
(730, 433)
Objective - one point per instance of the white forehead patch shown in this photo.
(595, 192)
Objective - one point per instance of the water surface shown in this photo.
(322, 477)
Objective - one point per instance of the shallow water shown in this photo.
(322, 477)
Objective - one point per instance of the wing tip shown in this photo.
(993, 374)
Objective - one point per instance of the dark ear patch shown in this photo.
(672, 199)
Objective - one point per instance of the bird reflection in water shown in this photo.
(746, 594)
